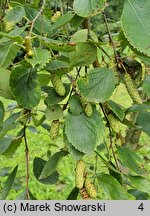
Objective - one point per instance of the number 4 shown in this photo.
(141, 207)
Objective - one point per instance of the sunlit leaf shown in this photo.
(98, 85)
(137, 11)
(112, 188)
(51, 165)
(40, 58)
(89, 7)
(140, 183)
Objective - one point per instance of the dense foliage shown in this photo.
(60, 63)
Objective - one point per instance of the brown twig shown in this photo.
(110, 136)
(34, 20)
(27, 163)
(110, 37)
(86, 25)
(99, 46)
(96, 167)
(4, 9)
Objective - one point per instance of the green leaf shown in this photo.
(99, 125)
(8, 184)
(10, 123)
(117, 109)
(38, 165)
(40, 58)
(15, 143)
(23, 196)
(33, 129)
(55, 44)
(4, 84)
(56, 65)
(144, 58)
(87, 8)
(8, 51)
(14, 33)
(53, 112)
(2, 112)
(42, 25)
(72, 150)
(81, 36)
(85, 54)
(84, 132)
(115, 174)
(141, 56)
(107, 163)
(43, 77)
(15, 14)
(53, 97)
(73, 194)
(137, 12)
(146, 85)
(138, 107)
(143, 120)
(75, 105)
(14, 38)
(51, 164)
(98, 86)
(140, 183)
(76, 21)
(112, 188)
(138, 194)
(25, 87)
(4, 144)
(51, 179)
(63, 20)
(129, 123)
(130, 159)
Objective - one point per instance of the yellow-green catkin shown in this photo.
(132, 90)
(28, 46)
(79, 174)
(84, 194)
(58, 85)
(114, 123)
(9, 25)
(54, 131)
(88, 109)
(90, 188)
(56, 16)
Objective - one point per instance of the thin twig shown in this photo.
(96, 166)
(86, 25)
(99, 46)
(110, 37)
(110, 136)
(88, 29)
(27, 164)
(4, 9)
(71, 78)
(34, 20)
(65, 27)
(61, 7)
